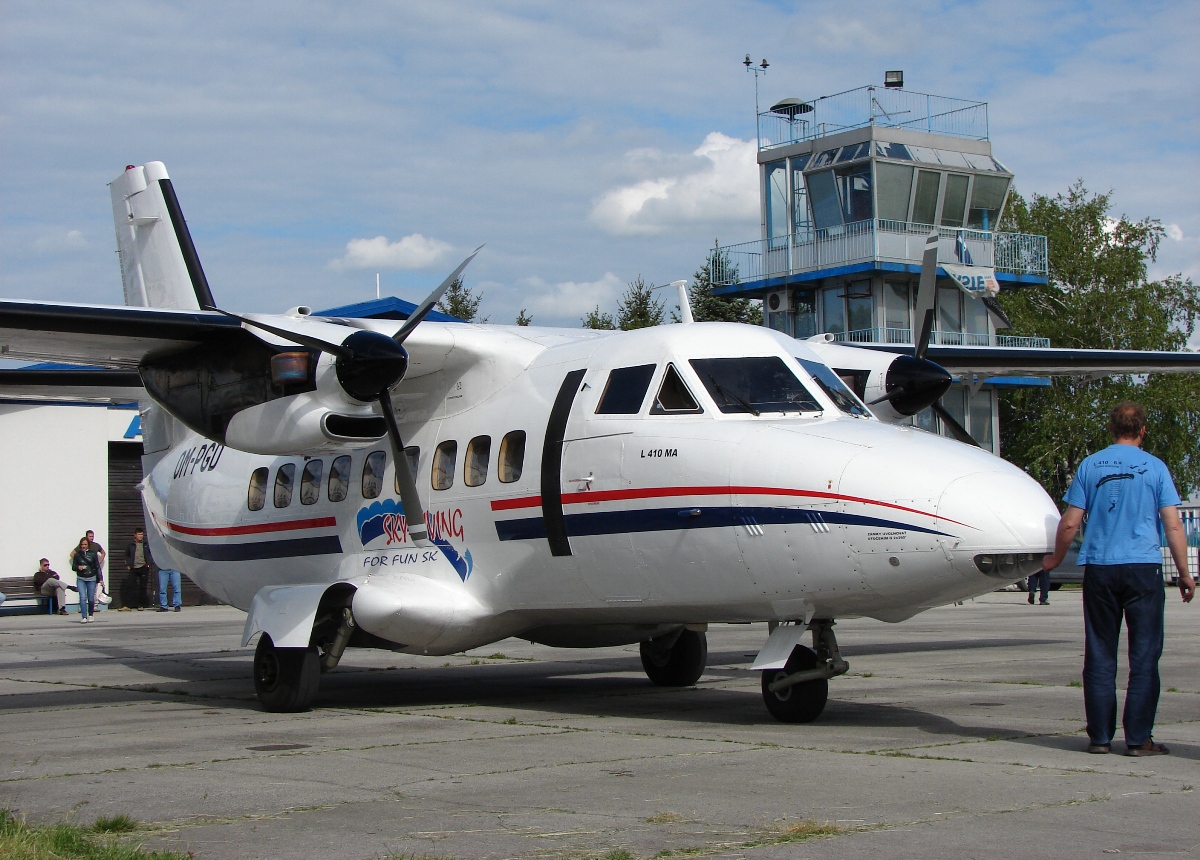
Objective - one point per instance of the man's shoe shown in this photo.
(140, 608)
(1043, 603)
(1031, 598)
(62, 612)
(1148, 748)
(1099, 749)
(123, 609)
(178, 608)
(161, 609)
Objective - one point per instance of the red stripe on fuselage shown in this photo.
(260, 528)
(670, 492)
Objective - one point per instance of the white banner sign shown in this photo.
(975, 281)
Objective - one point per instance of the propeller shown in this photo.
(914, 382)
(368, 365)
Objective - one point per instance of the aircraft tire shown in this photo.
(285, 679)
(800, 703)
(681, 665)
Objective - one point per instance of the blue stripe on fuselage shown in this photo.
(673, 519)
(256, 550)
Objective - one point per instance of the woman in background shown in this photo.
(86, 563)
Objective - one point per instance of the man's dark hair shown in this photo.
(139, 531)
(1126, 420)
(40, 560)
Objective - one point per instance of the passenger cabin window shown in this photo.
(441, 476)
(339, 478)
(372, 479)
(835, 389)
(256, 496)
(755, 385)
(285, 480)
(625, 390)
(512, 456)
(310, 482)
(673, 396)
(412, 454)
(479, 452)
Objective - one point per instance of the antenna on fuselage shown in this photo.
(685, 303)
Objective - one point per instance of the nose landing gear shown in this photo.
(797, 693)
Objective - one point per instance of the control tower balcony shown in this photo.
(874, 245)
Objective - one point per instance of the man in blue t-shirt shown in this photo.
(1125, 492)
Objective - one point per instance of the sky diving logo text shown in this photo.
(386, 519)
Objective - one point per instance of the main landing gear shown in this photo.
(797, 693)
(285, 679)
(676, 659)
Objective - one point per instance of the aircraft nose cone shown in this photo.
(1001, 510)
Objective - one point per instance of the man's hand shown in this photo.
(1187, 588)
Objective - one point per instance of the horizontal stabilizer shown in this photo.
(1004, 361)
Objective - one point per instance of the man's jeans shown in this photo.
(1041, 580)
(165, 576)
(1111, 591)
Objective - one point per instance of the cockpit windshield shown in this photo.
(833, 386)
(754, 385)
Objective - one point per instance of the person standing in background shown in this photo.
(138, 563)
(86, 564)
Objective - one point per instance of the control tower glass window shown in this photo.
(854, 187)
(822, 191)
(806, 313)
(926, 200)
(777, 202)
(949, 316)
(897, 306)
(859, 307)
(987, 198)
(954, 207)
(833, 310)
(893, 190)
(801, 220)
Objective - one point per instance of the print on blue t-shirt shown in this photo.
(1121, 488)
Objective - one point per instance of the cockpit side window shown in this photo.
(673, 397)
(310, 482)
(755, 385)
(256, 495)
(285, 481)
(625, 390)
(835, 388)
(372, 479)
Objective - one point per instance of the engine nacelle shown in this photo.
(419, 612)
(913, 383)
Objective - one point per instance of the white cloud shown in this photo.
(412, 252)
(1175, 232)
(567, 302)
(718, 185)
(60, 243)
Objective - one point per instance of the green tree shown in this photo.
(1098, 297)
(461, 301)
(523, 318)
(638, 307)
(598, 319)
(709, 308)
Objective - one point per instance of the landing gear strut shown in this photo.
(677, 659)
(797, 693)
(285, 679)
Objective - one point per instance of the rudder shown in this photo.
(159, 264)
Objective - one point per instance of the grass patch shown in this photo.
(21, 841)
(664, 818)
(511, 721)
(1075, 684)
(115, 824)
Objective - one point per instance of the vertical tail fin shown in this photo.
(159, 264)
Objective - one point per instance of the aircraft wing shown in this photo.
(74, 385)
(1022, 361)
(108, 336)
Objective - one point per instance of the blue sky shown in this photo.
(586, 144)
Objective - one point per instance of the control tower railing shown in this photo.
(874, 240)
(865, 106)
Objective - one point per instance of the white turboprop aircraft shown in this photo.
(569, 487)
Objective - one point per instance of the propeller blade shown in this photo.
(301, 339)
(414, 513)
(957, 430)
(891, 395)
(426, 306)
(926, 295)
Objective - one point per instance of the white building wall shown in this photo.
(55, 468)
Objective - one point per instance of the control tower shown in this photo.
(851, 185)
